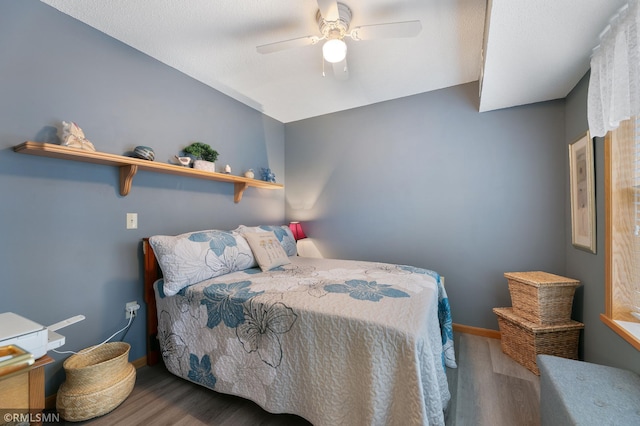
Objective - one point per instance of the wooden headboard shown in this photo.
(151, 273)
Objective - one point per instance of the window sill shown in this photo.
(629, 331)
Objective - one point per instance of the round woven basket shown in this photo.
(98, 380)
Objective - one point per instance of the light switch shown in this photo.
(132, 220)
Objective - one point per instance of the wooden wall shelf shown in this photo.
(129, 166)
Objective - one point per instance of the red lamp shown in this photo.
(296, 230)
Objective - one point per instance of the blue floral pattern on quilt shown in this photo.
(415, 270)
(365, 290)
(224, 303)
(243, 334)
(200, 371)
(444, 316)
(446, 327)
(258, 324)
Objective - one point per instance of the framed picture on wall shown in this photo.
(583, 209)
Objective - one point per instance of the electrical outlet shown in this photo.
(132, 220)
(130, 309)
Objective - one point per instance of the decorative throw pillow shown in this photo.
(267, 250)
(197, 256)
(283, 234)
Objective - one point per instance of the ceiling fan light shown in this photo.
(334, 50)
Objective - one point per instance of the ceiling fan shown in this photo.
(333, 22)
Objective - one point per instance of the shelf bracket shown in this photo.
(127, 173)
(239, 188)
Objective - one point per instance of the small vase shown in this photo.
(204, 165)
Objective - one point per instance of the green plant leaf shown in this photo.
(202, 151)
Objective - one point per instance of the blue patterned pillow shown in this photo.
(197, 256)
(283, 233)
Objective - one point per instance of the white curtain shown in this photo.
(614, 86)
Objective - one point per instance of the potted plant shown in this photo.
(203, 155)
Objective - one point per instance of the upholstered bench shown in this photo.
(580, 393)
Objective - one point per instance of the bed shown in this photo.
(336, 342)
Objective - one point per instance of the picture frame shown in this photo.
(582, 192)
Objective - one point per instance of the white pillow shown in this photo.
(196, 256)
(266, 249)
(283, 234)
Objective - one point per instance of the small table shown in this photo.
(22, 391)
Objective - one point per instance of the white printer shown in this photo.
(31, 336)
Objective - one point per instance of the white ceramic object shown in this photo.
(249, 174)
(183, 160)
(204, 165)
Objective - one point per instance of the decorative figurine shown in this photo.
(227, 169)
(72, 135)
(184, 161)
(268, 175)
(249, 174)
(144, 152)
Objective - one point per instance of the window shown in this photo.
(622, 239)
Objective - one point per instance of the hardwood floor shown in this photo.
(488, 388)
(160, 398)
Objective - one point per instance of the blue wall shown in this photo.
(64, 249)
(427, 180)
(424, 180)
(600, 344)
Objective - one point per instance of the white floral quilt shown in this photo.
(336, 342)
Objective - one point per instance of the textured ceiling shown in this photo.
(537, 50)
(534, 50)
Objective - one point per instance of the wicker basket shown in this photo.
(98, 380)
(541, 297)
(523, 340)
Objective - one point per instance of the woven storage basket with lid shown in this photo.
(523, 340)
(541, 297)
(98, 380)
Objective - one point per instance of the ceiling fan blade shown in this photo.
(287, 44)
(329, 9)
(341, 70)
(390, 30)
